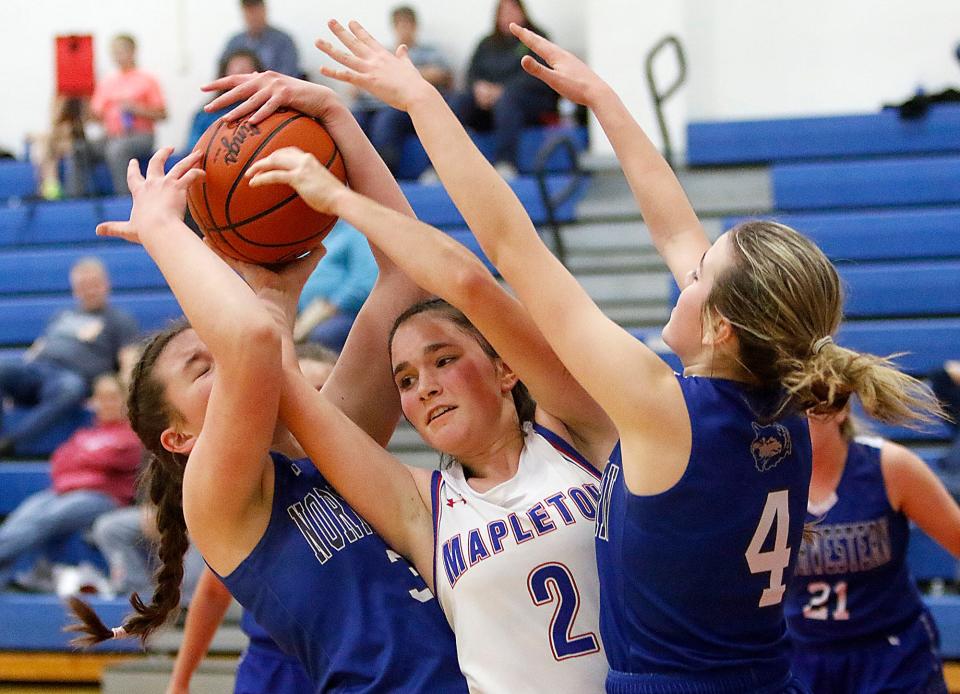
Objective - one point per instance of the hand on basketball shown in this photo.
(279, 288)
(301, 171)
(564, 72)
(158, 199)
(391, 77)
(262, 93)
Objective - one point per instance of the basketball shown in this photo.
(270, 224)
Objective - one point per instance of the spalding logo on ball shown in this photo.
(266, 225)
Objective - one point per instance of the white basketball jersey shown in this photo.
(516, 573)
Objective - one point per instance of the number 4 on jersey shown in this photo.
(776, 516)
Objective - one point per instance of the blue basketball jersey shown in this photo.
(851, 579)
(692, 579)
(328, 590)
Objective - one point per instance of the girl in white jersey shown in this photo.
(504, 533)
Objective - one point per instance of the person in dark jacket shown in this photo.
(500, 96)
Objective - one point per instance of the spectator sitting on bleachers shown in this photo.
(500, 95)
(238, 62)
(93, 472)
(78, 344)
(385, 126)
(856, 619)
(336, 290)
(128, 103)
(276, 48)
(127, 538)
(70, 115)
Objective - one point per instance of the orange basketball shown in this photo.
(269, 224)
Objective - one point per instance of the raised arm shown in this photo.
(223, 478)
(620, 373)
(674, 227)
(361, 383)
(209, 605)
(914, 490)
(445, 268)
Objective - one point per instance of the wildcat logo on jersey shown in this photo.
(771, 444)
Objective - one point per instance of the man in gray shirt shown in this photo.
(274, 47)
(78, 344)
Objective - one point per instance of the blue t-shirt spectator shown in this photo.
(336, 290)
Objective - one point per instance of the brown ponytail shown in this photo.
(150, 414)
(784, 300)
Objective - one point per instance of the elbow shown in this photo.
(472, 285)
(261, 337)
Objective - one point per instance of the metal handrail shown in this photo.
(658, 96)
(552, 202)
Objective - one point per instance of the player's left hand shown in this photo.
(569, 76)
(158, 199)
(301, 171)
(391, 77)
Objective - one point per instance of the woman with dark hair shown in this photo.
(500, 96)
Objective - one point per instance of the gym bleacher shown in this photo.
(880, 196)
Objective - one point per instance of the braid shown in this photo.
(149, 415)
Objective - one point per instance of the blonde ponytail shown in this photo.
(784, 300)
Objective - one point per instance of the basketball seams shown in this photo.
(255, 245)
(249, 162)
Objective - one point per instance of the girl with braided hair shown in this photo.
(204, 401)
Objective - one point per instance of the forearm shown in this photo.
(207, 609)
(662, 200)
(489, 206)
(195, 274)
(149, 113)
(437, 270)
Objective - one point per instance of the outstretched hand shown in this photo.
(391, 77)
(301, 171)
(262, 93)
(157, 199)
(564, 72)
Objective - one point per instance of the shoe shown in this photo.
(507, 171)
(51, 190)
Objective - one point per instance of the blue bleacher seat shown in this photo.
(945, 610)
(23, 318)
(16, 179)
(898, 234)
(928, 560)
(44, 443)
(48, 269)
(18, 480)
(65, 220)
(881, 183)
(927, 342)
(414, 160)
(790, 139)
(46, 616)
(13, 224)
(908, 289)
(434, 206)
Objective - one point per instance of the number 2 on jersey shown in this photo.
(553, 581)
(776, 516)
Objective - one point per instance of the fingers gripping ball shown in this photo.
(269, 224)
